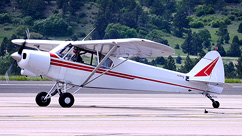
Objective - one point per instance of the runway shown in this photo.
(120, 113)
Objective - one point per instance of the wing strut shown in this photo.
(100, 64)
(109, 69)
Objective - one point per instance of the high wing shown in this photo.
(45, 45)
(126, 47)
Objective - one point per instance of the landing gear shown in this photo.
(66, 100)
(41, 99)
(215, 104)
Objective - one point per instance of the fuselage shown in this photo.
(129, 75)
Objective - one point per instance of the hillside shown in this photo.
(209, 23)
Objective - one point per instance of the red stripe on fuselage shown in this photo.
(53, 55)
(111, 73)
(88, 69)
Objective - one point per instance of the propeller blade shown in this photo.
(27, 33)
(21, 48)
(9, 71)
(24, 43)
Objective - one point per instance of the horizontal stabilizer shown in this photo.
(220, 84)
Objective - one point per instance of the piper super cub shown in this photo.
(106, 64)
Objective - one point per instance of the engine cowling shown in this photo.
(34, 62)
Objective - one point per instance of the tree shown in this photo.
(204, 35)
(239, 67)
(232, 1)
(5, 18)
(229, 70)
(178, 59)
(160, 60)
(189, 64)
(74, 5)
(206, 44)
(157, 7)
(141, 60)
(33, 8)
(236, 39)
(160, 22)
(227, 38)
(234, 50)
(180, 22)
(223, 34)
(187, 5)
(53, 26)
(3, 46)
(170, 64)
(156, 35)
(192, 44)
(114, 31)
(186, 45)
(112, 11)
(11, 48)
(240, 28)
(221, 50)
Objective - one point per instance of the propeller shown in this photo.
(24, 43)
(17, 56)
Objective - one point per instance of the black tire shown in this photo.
(39, 99)
(66, 100)
(216, 104)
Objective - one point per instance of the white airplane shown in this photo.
(105, 64)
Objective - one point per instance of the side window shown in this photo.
(107, 64)
(89, 58)
(75, 54)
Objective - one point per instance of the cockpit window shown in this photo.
(63, 52)
(75, 54)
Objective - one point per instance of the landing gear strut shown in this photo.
(216, 104)
(66, 99)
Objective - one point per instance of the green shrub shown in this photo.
(227, 21)
(215, 24)
(53, 26)
(5, 18)
(204, 10)
(232, 80)
(196, 24)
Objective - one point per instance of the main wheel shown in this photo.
(216, 104)
(40, 99)
(66, 100)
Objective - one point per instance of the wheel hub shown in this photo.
(67, 100)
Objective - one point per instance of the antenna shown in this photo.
(88, 34)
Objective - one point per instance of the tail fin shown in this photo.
(209, 69)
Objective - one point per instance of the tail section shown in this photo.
(209, 70)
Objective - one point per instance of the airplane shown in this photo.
(106, 64)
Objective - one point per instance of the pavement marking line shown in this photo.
(26, 84)
(118, 116)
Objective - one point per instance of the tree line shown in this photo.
(150, 19)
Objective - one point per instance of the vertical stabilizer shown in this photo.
(209, 69)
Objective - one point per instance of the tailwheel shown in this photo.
(216, 104)
(40, 99)
(66, 100)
